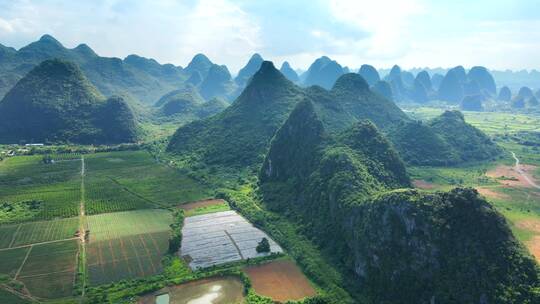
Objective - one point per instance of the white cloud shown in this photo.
(169, 31)
(5, 27)
(386, 21)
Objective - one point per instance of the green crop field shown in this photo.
(126, 244)
(56, 186)
(119, 224)
(9, 298)
(489, 122)
(11, 260)
(126, 257)
(49, 271)
(46, 270)
(37, 232)
(120, 181)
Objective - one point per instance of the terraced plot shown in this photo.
(126, 244)
(221, 237)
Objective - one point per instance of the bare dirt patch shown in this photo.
(280, 280)
(507, 175)
(200, 204)
(490, 193)
(529, 225)
(534, 247)
(422, 184)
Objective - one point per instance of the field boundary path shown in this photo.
(23, 262)
(520, 172)
(39, 243)
(234, 243)
(82, 230)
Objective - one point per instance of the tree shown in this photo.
(263, 246)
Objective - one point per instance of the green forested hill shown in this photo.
(397, 246)
(186, 104)
(56, 102)
(139, 77)
(241, 134)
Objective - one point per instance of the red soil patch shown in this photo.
(203, 203)
(534, 247)
(280, 280)
(489, 193)
(529, 224)
(422, 184)
(507, 175)
(533, 244)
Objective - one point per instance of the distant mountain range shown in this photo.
(239, 136)
(146, 80)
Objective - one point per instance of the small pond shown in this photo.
(226, 290)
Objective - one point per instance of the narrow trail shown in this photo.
(520, 172)
(82, 230)
(40, 243)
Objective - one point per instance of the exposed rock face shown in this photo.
(340, 190)
(370, 74)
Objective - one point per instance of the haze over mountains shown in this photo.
(146, 80)
(204, 88)
(269, 98)
(327, 152)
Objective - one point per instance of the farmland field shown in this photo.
(498, 181)
(37, 232)
(126, 244)
(217, 238)
(120, 181)
(280, 280)
(56, 186)
(489, 122)
(49, 271)
(8, 297)
(205, 206)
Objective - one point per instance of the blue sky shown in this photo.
(499, 34)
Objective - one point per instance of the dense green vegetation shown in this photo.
(424, 248)
(56, 103)
(186, 104)
(239, 136)
(135, 76)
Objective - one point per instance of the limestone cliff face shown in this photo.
(398, 245)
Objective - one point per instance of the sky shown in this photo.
(498, 34)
